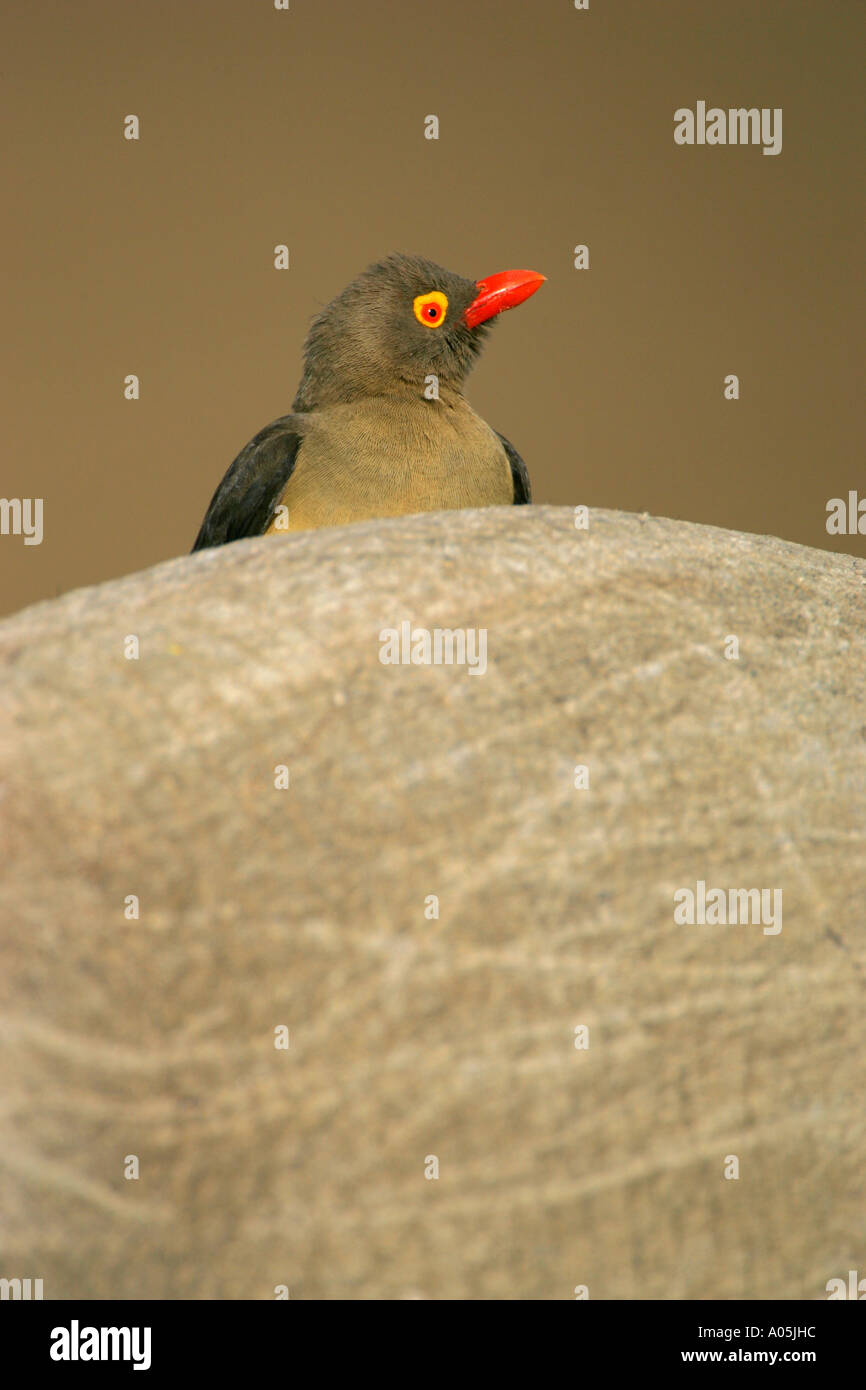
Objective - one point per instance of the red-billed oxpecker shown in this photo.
(380, 425)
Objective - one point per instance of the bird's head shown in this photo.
(401, 321)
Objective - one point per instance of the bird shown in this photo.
(380, 426)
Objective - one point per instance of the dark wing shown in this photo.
(247, 497)
(520, 477)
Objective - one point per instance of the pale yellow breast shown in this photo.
(388, 458)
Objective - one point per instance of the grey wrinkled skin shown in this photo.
(453, 1037)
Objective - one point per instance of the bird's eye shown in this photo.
(430, 309)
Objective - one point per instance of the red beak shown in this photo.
(499, 292)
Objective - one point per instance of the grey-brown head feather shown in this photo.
(368, 342)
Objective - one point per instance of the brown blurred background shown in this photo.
(307, 127)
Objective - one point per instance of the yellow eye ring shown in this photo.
(430, 309)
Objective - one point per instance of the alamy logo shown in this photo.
(856, 1288)
(439, 646)
(76, 1343)
(739, 125)
(22, 516)
(846, 521)
(20, 1288)
(737, 907)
